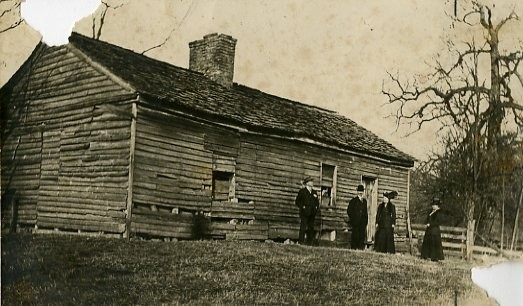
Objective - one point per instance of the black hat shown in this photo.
(307, 179)
(436, 201)
(360, 188)
(391, 195)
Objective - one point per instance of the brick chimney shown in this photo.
(214, 57)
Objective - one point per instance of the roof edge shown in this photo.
(243, 128)
(75, 43)
(76, 35)
(41, 46)
(101, 68)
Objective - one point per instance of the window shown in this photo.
(222, 185)
(328, 185)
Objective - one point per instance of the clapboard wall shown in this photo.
(175, 157)
(79, 145)
(66, 143)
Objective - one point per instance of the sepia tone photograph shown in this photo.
(229, 152)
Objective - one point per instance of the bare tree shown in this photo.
(450, 86)
(470, 104)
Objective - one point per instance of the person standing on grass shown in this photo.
(308, 203)
(432, 248)
(358, 219)
(385, 223)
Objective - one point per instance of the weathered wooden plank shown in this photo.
(172, 150)
(76, 203)
(65, 85)
(99, 85)
(90, 225)
(65, 75)
(56, 211)
(156, 230)
(77, 192)
(283, 231)
(81, 99)
(458, 230)
(186, 168)
(172, 202)
(145, 210)
(193, 181)
(174, 138)
(461, 237)
(155, 188)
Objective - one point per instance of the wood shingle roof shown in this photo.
(192, 92)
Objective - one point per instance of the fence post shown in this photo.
(407, 211)
(470, 239)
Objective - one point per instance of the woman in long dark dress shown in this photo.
(385, 222)
(432, 247)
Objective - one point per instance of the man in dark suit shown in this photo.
(358, 219)
(308, 203)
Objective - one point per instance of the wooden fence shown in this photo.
(454, 240)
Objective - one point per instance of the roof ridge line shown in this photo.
(193, 89)
(81, 36)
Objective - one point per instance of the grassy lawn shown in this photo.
(55, 270)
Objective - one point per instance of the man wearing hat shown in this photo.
(308, 203)
(358, 219)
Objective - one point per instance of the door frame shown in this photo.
(372, 205)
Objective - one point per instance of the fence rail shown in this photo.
(454, 241)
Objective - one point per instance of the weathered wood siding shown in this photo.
(67, 153)
(174, 162)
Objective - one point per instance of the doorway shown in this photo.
(371, 194)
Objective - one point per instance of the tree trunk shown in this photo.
(502, 211)
(496, 110)
(516, 223)
(470, 240)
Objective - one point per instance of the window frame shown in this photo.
(224, 176)
(332, 189)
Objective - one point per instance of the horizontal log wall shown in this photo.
(73, 153)
(21, 157)
(67, 154)
(173, 168)
(175, 158)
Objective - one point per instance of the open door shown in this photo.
(371, 194)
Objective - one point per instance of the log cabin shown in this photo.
(100, 139)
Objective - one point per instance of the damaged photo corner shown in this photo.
(53, 20)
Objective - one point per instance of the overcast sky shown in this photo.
(333, 54)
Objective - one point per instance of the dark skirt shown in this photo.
(432, 247)
(385, 240)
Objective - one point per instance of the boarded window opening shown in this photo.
(222, 185)
(328, 185)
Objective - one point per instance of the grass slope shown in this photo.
(40, 269)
